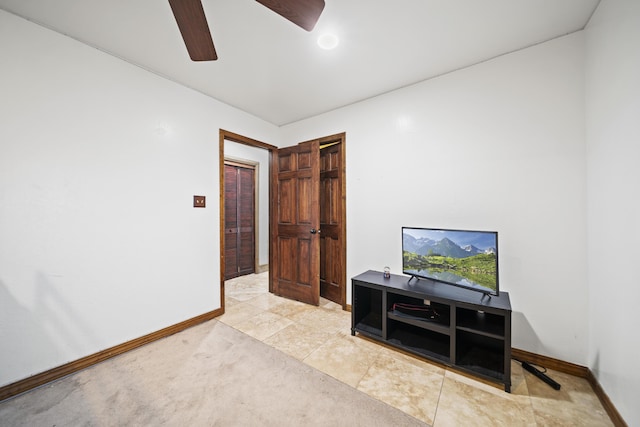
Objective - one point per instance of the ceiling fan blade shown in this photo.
(303, 13)
(193, 26)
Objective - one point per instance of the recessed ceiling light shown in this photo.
(328, 41)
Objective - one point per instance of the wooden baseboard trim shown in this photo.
(575, 370)
(550, 363)
(42, 378)
(613, 413)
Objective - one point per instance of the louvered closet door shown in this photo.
(239, 216)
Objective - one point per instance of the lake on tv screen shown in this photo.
(449, 277)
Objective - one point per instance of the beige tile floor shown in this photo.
(321, 337)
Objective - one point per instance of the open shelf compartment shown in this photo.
(481, 322)
(480, 354)
(442, 310)
(418, 340)
(367, 310)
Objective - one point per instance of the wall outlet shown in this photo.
(198, 201)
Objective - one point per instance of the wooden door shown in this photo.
(332, 274)
(295, 244)
(239, 218)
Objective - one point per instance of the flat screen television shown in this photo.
(463, 258)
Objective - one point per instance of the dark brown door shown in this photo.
(296, 243)
(331, 222)
(239, 218)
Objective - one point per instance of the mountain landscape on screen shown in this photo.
(462, 258)
(445, 247)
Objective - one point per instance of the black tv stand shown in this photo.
(470, 334)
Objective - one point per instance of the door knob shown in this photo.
(314, 231)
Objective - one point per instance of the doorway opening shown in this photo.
(329, 233)
(243, 153)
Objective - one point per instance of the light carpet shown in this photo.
(208, 375)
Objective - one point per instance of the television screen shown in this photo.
(464, 258)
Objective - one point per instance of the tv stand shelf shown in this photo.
(472, 331)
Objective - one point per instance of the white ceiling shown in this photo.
(273, 69)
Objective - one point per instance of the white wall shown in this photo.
(613, 154)
(497, 146)
(235, 151)
(99, 161)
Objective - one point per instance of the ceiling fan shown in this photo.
(193, 26)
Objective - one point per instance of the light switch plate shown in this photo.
(198, 201)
